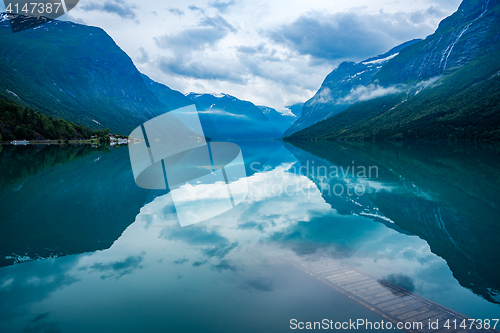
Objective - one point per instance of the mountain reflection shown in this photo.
(60, 200)
(447, 194)
(122, 242)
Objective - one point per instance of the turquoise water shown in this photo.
(83, 249)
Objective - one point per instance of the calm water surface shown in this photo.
(83, 249)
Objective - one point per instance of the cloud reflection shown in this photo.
(183, 268)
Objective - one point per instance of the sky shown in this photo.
(270, 52)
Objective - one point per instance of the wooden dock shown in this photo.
(389, 301)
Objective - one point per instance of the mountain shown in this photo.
(282, 121)
(172, 99)
(296, 109)
(75, 72)
(446, 87)
(332, 97)
(78, 73)
(20, 123)
(226, 117)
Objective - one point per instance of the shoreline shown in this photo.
(49, 142)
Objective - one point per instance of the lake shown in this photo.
(84, 249)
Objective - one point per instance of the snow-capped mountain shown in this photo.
(330, 98)
(227, 117)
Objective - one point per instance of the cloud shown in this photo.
(259, 285)
(349, 35)
(213, 244)
(199, 263)
(144, 58)
(196, 9)
(186, 43)
(217, 112)
(194, 236)
(176, 11)
(217, 22)
(119, 268)
(252, 226)
(425, 84)
(423, 15)
(224, 265)
(207, 33)
(262, 61)
(196, 69)
(222, 6)
(181, 261)
(323, 96)
(71, 18)
(118, 7)
(220, 250)
(250, 49)
(404, 281)
(19, 293)
(371, 91)
(191, 39)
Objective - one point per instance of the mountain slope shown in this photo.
(172, 99)
(20, 123)
(331, 97)
(75, 72)
(446, 87)
(459, 39)
(226, 117)
(278, 119)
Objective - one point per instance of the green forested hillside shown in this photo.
(462, 105)
(77, 73)
(20, 123)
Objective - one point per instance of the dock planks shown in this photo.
(390, 301)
